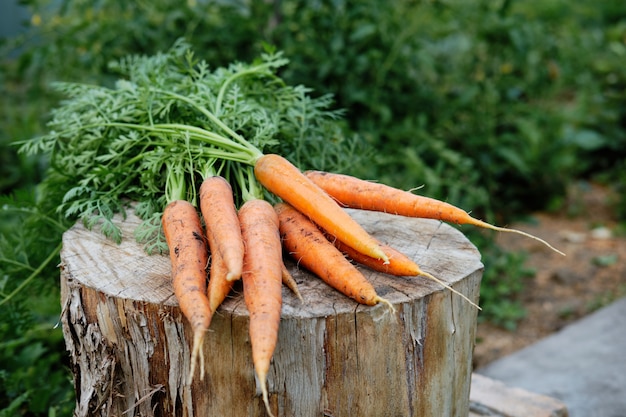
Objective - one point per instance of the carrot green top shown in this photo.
(152, 136)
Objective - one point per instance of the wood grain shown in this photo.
(129, 343)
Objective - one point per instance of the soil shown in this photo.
(564, 288)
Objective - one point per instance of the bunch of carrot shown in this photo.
(309, 223)
(172, 125)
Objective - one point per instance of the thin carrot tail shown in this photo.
(519, 232)
(266, 401)
(440, 282)
(291, 283)
(387, 303)
(196, 350)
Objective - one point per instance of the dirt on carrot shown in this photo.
(308, 245)
(189, 257)
(222, 224)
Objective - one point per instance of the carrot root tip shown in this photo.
(230, 277)
(266, 400)
(383, 257)
(486, 225)
(296, 292)
(196, 351)
(390, 307)
(440, 282)
(519, 232)
(201, 363)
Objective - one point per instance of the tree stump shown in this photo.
(130, 345)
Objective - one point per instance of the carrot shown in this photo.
(291, 283)
(285, 180)
(219, 286)
(365, 195)
(399, 265)
(189, 256)
(308, 245)
(262, 283)
(222, 225)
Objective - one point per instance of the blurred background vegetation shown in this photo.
(494, 106)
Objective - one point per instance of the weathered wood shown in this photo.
(129, 343)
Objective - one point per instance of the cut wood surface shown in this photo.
(129, 344)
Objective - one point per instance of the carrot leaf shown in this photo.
(150, 136)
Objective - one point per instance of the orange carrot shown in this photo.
(291, 283)
(262, 283)
(286, 181)
(222, 225)
(308, 245)
(365, 195)
(189, 255)
(399, 265)
(219, 286)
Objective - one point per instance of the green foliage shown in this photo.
(76, 40)
(21, 115)
(490, 105)
(596, 121)
(620, 180)
(33, 376)
(502, 285)
(168, 123)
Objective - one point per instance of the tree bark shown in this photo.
(130, 345)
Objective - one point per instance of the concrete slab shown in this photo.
(583, 365)
(491, 398)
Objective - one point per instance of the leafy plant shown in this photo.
(32, 344)
(171, 117)
(502, 286)
(489, 105)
